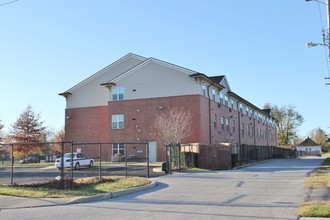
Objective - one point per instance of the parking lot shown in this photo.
(24, 174)
(270, 190)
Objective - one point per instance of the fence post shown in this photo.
(62, 166)
(100, 161)
(71, 181)
(12, 165)
(170, 160)
(179, 150)
(147, 154)
(126, 160)
(240, 154)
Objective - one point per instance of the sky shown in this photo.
(48, 46)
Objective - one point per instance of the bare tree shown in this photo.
(318, 135)
(287, 121)
(27, 129)
(173, 126)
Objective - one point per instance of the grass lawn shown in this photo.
(90, 186)
(314, 209)
(321, 178)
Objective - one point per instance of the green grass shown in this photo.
(118, 183)
(314, 209)
(321, 178)
(318, 180)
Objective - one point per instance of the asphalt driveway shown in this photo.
(271, 190)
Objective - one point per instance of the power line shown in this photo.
(7, 3)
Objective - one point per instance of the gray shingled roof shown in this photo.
(308, 142)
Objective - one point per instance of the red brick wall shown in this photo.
(87, 125)
(140, 114)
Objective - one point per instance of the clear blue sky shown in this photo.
(48, 46)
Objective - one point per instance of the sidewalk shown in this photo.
(13, 202)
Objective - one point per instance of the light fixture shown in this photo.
(315, 1)
(311, 44)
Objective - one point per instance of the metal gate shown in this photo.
(173, 157)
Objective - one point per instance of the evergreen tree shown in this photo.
(27, 129)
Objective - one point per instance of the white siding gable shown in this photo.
(90, 93)
(155, 78)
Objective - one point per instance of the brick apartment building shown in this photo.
(119, 103)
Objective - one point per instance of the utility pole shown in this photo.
(328, 33)
(328, 13)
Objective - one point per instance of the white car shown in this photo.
(79, 160)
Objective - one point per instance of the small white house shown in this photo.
(308, 148)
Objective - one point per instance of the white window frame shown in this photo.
(213, 94)
(118, 121)
(118, 93)
(203, 89)
(118, 148)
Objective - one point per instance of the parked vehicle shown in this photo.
(79, 160)
(30, 159)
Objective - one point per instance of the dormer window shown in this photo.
(203, 89)
(213, 94)
(226, 100)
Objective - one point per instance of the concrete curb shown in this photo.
(105, 196)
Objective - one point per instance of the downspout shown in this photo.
(254, 128)
(210, 120)
(267, 131)
(239, 132)
(239, 123)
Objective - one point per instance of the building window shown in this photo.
(227, 124)
(221, 98)
(232, 103)
(222, 123)
(258, 134)
(118, 148)
(203, 89)
(117, 121)
(226, 100)
(233, 125)
(117, 93)
(241, 108)
(213, 94)
(242, 129)
(214, 120)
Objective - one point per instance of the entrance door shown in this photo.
(152, 151)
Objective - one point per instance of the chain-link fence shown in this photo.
(250, 153)
(24, 163)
